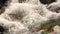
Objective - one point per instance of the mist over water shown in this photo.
(29, 17)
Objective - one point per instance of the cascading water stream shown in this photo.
(29, 17)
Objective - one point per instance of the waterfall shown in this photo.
(29, 17)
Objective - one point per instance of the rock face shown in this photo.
(30, 17)
(47, 1)
(2, 4)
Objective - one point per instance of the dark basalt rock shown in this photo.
(2, 5)
(47, 1)
(2, 30)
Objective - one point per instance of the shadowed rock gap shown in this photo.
(2, 30)
(2, 4)
(47, 1)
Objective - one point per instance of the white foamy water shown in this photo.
(29, 17)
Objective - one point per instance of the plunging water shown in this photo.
(28, 17)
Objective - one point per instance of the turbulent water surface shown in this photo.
(29, 16)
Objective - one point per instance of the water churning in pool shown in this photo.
(29, 16)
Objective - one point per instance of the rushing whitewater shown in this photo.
(29, 17)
